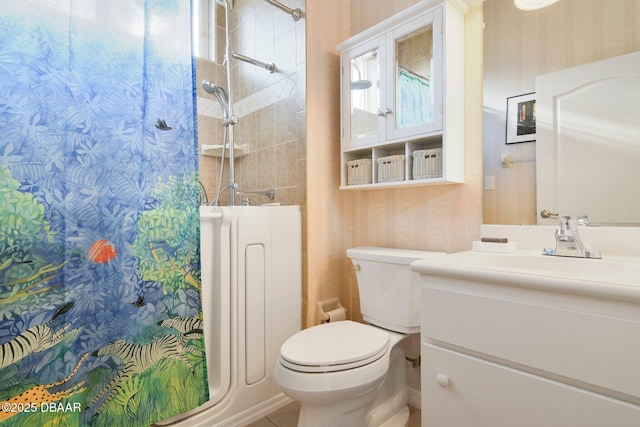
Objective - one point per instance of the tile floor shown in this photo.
(288, 417)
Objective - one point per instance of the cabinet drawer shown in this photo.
(483, 394)
(603, 351)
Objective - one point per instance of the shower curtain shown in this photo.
(414, 104)
(100, 311)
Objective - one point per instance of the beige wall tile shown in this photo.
(286, 165)
(266, 127)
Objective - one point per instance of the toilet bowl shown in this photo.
(335, 391)
(350, 374)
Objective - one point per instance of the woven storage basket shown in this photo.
(427, 163)
(359, 172)
(391, 168)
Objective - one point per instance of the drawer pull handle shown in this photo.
(443, 380)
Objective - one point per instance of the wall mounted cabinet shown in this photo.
(402, 99)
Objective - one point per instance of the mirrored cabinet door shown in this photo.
(414, 98)
(362, 123)
(364, 89)
(417, 96)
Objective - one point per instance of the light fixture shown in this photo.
(533, 4)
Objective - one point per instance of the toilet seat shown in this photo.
(334, 347)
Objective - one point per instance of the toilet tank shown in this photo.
(389, 290)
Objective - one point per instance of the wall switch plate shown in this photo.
(489, 182)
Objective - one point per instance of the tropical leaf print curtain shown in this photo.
(100, 314)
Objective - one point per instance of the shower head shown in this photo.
(209, 86)
(361, 85)
(214, 89)
(220, 94)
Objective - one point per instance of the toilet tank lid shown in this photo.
(389, 255)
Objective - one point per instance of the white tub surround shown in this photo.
(251, 303)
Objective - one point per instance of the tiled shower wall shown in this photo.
(270, 106)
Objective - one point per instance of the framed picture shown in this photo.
(521, 118)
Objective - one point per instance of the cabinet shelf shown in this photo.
(399, 184)
(413, 169)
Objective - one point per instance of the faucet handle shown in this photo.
(565, 222)
(582, 220)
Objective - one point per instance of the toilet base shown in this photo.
(401, 419)
(382, 405)
(389, 408)
(320, 416)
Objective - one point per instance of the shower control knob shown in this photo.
(443, 380)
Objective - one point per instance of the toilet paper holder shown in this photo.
(330, 310)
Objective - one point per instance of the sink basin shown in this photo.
(615, 277)
(563, 266)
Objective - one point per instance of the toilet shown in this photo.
(348, 374)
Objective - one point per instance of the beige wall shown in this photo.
(518, 46)
(327, 25)
(441, 218)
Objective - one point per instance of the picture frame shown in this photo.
(521, 118)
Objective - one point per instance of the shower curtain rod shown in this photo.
(295, 13)
(270, 67)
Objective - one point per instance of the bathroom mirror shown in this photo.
(520, 46)
(588, 148)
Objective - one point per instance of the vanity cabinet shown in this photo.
(494, 355)
(402, 98)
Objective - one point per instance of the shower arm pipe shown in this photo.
(295, 13)
(270, 67)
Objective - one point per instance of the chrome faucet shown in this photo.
(568, 241)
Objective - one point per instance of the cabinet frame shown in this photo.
(446, 131)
